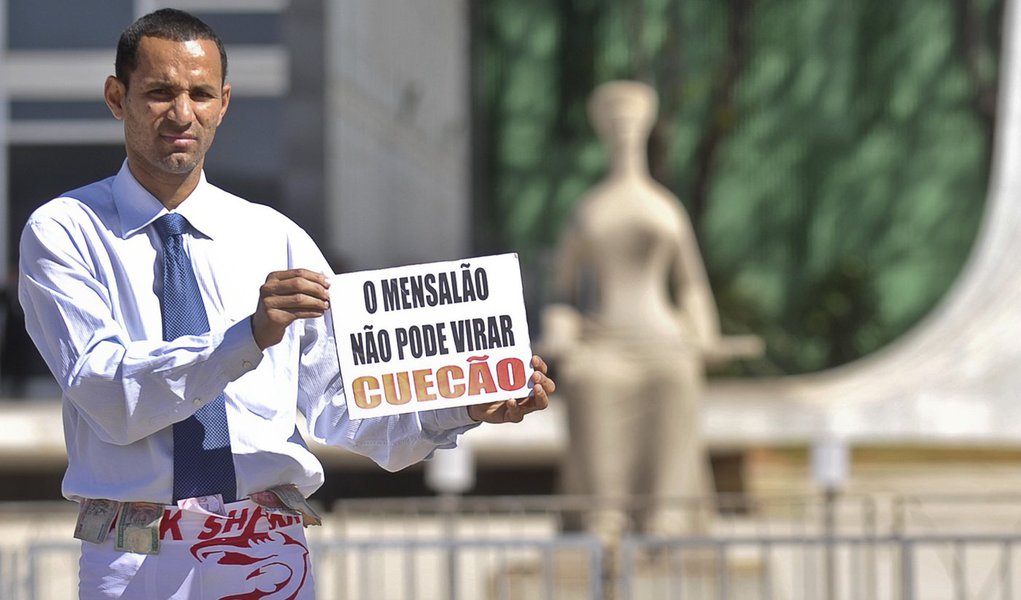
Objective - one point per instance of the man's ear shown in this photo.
(114, 92)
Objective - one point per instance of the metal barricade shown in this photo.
(6, 580)
(459, 569)
(759, 568)
(810, 568)
(930, 548)
(962, 567)
(51, 570)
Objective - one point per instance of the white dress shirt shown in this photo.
(90, 286)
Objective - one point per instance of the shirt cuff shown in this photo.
(446, 419)
(238, 351)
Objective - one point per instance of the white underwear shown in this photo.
(251, 552)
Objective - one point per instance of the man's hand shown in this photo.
(285, 297)
(512, 411)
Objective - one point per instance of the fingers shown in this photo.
(285, 297)
(297, 287)
(304, 274)
(301, 292)
(540, 381)
(539, 364)
(490, 412)
(513, 411)
(542, 385)
(539, 399)
(299, 306)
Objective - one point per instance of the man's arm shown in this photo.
(125, 389)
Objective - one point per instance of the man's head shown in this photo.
(170, 92)
(165, 24)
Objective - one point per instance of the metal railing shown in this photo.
(47, 565)
(459, 569)
(900, 548)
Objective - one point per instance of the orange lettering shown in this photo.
(480, 379)
(443, 381)
(423, 385)
(392, 396)
(510, 374)
(361, 387)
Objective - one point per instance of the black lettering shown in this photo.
(368, 348)
(405, 292)
(481, 283)
(385, 353)
(358, 348)
(415, 341)
(445, 290)
(455, 292)
(458, 329)
(429, 347)
(506, 330)
(417, 293)
(467, 287)
(401, 334)
(479, 331)
(390, 297)
(441, 338)
(494, 332)
(369, 293)
(431, 297)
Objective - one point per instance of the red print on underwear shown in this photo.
(279, 569)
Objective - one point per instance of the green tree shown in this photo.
(833, 156)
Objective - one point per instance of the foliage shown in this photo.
(832, 155)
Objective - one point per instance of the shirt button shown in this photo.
(197, 401)
(246, 364)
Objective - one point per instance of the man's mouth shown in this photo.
(179, 141)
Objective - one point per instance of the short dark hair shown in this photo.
(165, 24)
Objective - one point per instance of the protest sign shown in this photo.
(434, 335)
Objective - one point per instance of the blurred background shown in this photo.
(836, 160)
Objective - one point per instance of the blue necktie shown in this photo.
(203, 463)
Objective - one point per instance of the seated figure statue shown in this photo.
(632, 325)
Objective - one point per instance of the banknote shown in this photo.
(94, 519)
(295, 500)
(210, 504)
(269, 500)
(138, 527)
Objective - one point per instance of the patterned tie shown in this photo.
(203, 463)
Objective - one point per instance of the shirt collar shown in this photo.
(138, 208)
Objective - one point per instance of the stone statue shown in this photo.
(633, 326)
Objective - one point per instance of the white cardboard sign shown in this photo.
(433, 335)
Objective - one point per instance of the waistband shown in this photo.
(243, 517)
(142, 526)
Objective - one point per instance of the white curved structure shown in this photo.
(956, 376)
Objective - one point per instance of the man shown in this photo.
(182, 363)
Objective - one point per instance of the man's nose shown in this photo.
(181, 109)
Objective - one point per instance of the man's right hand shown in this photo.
(285, 297)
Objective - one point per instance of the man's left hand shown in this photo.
(512, 411)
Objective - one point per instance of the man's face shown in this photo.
(171, 107)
